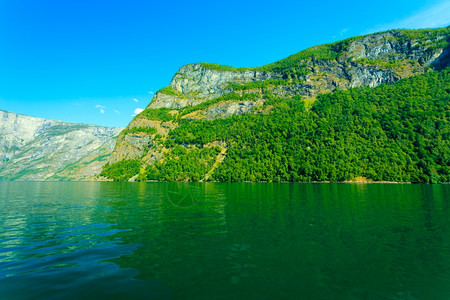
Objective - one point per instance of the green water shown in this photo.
(224, 241)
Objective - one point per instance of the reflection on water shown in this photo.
(224, 241)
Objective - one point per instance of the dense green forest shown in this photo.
(122, 170)
(398, 132)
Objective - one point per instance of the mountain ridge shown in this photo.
(347, 58)
(34, 148)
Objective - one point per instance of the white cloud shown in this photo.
(117, 112)
(343, 31)
(101, 108)
(137, 111)
(432, 17)
(151, 93)
(135, 100)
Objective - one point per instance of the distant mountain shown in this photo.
(39, 149)
(326, 113)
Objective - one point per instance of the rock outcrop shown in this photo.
(39, 149)
(194, 84)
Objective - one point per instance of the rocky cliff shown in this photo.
(205, 91)
(366, 61)
(39, 149)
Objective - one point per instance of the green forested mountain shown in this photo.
(374, 107)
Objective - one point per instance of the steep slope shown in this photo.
(201, 95)
(39, 149)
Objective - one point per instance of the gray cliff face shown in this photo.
(385, 44)
(198, 84)
(39, 149)
(376, 46)
(206, 83)
(370, 76)
(411, 59)
(370, 61)
(225, 109)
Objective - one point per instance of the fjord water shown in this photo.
(224, 241)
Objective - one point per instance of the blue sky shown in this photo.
(98, 61)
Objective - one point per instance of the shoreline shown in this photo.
(315, 182)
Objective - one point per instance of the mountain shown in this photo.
(39, 149)
(335, 112)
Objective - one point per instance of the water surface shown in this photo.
(224, 241)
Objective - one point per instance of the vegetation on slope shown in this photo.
(261, 85)
(160, 114)
(293, 66)
(136, 130)
(397, 132)
(168, 90)
(322, 52)
(122, 170)
(182, 164)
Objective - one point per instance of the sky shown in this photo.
(101, 61)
